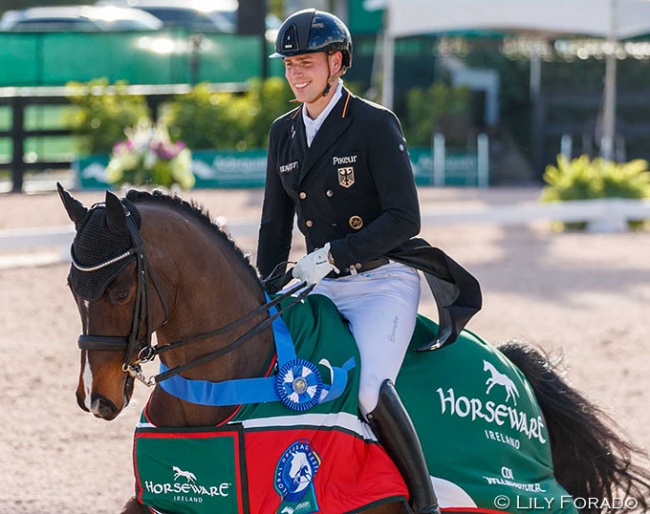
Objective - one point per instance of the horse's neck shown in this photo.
(213, 288)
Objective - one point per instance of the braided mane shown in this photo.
(198, 213)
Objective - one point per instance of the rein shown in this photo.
(146, 352)
(259, 327)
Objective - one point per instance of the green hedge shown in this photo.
(98, 118)
(209, 120)
(205, 119)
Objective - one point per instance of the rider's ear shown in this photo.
(337, 61)
(75, 209)
(115, 215)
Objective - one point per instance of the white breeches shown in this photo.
(381, 306)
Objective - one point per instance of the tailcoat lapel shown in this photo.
(333, 128)
(297, 135)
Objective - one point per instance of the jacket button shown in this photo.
(329, 193)
(309, 223)
(302, 195)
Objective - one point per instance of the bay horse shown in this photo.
(162, 266)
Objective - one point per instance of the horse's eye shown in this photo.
(120, 296)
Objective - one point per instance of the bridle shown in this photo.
(132, 344)
(141, 347)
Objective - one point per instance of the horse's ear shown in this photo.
(115, 214)
(74, 207)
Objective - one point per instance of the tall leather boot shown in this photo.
(393, 427)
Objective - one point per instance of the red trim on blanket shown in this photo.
(137, 477)
(234, 413)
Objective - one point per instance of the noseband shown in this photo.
(141, 347)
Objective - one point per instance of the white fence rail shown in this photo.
(603, 215)
(607, 215)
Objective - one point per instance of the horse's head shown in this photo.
(107, 287)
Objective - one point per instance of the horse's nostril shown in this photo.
(103, 408)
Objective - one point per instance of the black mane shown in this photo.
(198, 213)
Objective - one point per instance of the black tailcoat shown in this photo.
(354, 188)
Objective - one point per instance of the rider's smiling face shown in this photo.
(308, 74)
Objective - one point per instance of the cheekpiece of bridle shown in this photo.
(137, 345)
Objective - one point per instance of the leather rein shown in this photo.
(141, 347)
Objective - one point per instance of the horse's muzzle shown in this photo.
(102, 407)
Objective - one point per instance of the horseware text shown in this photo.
(214, 490)
(491, 412)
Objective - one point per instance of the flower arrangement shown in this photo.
(148, 156)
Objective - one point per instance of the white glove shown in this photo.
(314, 266)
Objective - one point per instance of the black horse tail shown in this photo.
(591, 457)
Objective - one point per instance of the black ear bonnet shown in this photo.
(94, 245)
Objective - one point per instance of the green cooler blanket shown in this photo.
(484, 437)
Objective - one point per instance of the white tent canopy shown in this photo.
(612, 19)
(586, 17)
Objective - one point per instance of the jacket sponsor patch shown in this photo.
(286, 168)
(348, 159)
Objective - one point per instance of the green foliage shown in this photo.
(583, 179)
(440, 108)
(204, 119)
(273, 98)
(570, 180)
(100, 114)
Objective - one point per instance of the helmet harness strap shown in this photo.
(332, 77)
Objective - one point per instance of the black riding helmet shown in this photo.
(312, 31)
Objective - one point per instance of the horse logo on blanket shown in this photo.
(502, 380)
(188, 475)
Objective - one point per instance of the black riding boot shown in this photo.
(393, 427)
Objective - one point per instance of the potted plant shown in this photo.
(148, 157)
(586, 179)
